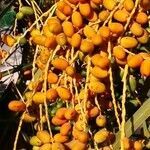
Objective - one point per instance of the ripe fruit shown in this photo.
(60, 15)
(134, 61)
(77, 19)
(43, 136)
(97, 87)
(67, 10)
(55, 27)
(97, 40)
(126, 143)
(70, 113)
(76, 40)
(136, 29)
(116, 28)
(138, 145)
(8, 40)
(141, 18)
(93, 112)
(89, 32)
(61, 39)
(52, 78)
(39, 40)
(128, 42)
(57, 146)
(99, 73)
(121, 15)
(98, 60)
(28, 118)
(145, 68)
(68, 28)
(85, 9)
(144, 38)
(65, 128)
(86, 46)
(57, 121)
(104, 31)
(46, 147)
(109, 4)
(83, 137)
(101, 136)
(17, 106)
(60, 63)
(101, 121)
(128, 5)
(119, 52)
(61, 113)
(103, 15)
(60, 138)
(51, 95)
(38, 98)
(70, 71)
(35, 141)
(50, 42)
(64, 93)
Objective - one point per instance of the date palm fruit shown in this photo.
(44, 136)
(145, 68)
(70, 71)
(61, 39)
(77, 19)
(93, 112)
(35, 32)
(57, 121)
(126, 143)
(29, 118)
(121, 15)
(101, 136)
(103, 15)
(128, 5)
(35, 141)
(60, 63)
(119, 52)
(116, 28)
(99, 73)
(89, 32)
(138, 145)
(136, 29)
(76, 40)
(60, 15)
(85, 9)
(134, 61)
(68, 28)
(101, 121)
(8, 40)
(109, 4)
(19, 15)
(98, 60)
(65, 128)
(97, 40)
(144, 38)
(64, 93)
(38, 98)
(60, 138)
(57, 146)
(86, 46)
(52, 78)
(83, 136)
(104, 31)
(61, 112)
(97, 87)
(17, 106)
(70, 114)
(51, 94)
(35, 148)
(128, 42)
(39, 40)
(26, 10)
(55, 27)
(142, 18)
(46, 146)
(50, 42)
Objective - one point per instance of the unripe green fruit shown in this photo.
(19, 15)
(26, 10)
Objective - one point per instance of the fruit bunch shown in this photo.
(76, 48)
